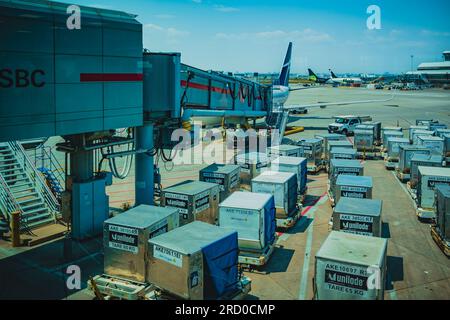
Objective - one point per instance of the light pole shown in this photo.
(412, 63)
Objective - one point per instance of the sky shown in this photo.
(252, 35)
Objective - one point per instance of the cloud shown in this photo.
(170, 32)
(306, 35)
(225, 9)
(431, 33)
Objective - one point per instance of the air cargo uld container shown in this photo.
(353, 187)
(283, 186)
(376, 130)
(337, 144)
(125, 239)
(252, 164)
(418, 133)
(406, 153)
(437, 126)
(393, 147)
(441, 132)
(197, 261)
(327, 138)
(390, 129)
(425, 122)
(364, 139)
(350, 267)
(56, 81)
(391, 134)
(443, 211)
(347, 167)
(447, 145)
(295, 165)
(312, 150)
(226, 176)
(358, 216)
(412, 129)
(286, 150)
(343, 153)
(252, 215)
(195, 200)
(421, 160)
(429, 177)
(436, 144)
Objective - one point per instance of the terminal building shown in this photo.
(436, 73)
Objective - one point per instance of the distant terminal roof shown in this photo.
(434, 66)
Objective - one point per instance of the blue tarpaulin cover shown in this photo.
(270, 221)
(304, 178)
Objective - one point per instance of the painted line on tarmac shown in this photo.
(304, 278)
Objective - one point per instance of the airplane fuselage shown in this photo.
(280, 94)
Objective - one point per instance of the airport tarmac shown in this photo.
(417, 269)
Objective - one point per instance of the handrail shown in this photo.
(53, 163)
(7, 201)
(35, 175)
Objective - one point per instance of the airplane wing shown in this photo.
(301, 88)
(323, 105)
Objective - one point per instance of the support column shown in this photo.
(144, 167)
(82, 165)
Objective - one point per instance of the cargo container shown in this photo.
(350, 267)
(327, 138)
(337, 144)
(339, 167)
(447, 144)
(197, 261)
(252, 215)
(443, 212)
(391, 134)
(390, 129)
(406, 152)
(418, 133)
(425, 122)
(359, 187)
(429, 177)
(393, 147)
(438, 126)
(286, 150)
(412, 129)
(226, 176)
(376, 130)
(195, 200)
(441, 132)
(283, 186)
(343, 153)
(358, 216)
(125, 239)
(421, 160)
(252, 164)
(295, 165)
(436, 144)
(364, 139)
(312, 150)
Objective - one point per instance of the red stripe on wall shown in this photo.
(110, 77)
(204, 87)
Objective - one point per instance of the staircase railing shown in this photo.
(45, 158)
(8, 203)
(35, 176)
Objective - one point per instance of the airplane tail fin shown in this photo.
(312, 75)
(285, 70)
(332, 74)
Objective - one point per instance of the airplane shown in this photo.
(337, 80)
(314, 78)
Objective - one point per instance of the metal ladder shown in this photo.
(23, 189)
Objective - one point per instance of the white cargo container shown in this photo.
(418, 133)
(350, 267)
(252, 165)
(447, 144)
(390, 129)
(441, 132)
(364, 139)
(358, 216)
(343, 167)
(353, 187)
(393, 147)
(252, 216)
(337, 144)
(283, 186)
(406, 153)
(226, 176)
(295, 165)
(343, 153)
(125, 239)
(376, 130)
(429, 177)
(329, 137)
(412, 129)
(436, 144)
(195, 200)
(391, 134)
(443, 211)
(285, 150)
(421, 160)
(312, 150)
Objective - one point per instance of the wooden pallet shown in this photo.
(315, 169)
(244, 287)
(442, 244)
(403, 177)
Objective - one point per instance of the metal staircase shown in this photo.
(23, 188)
